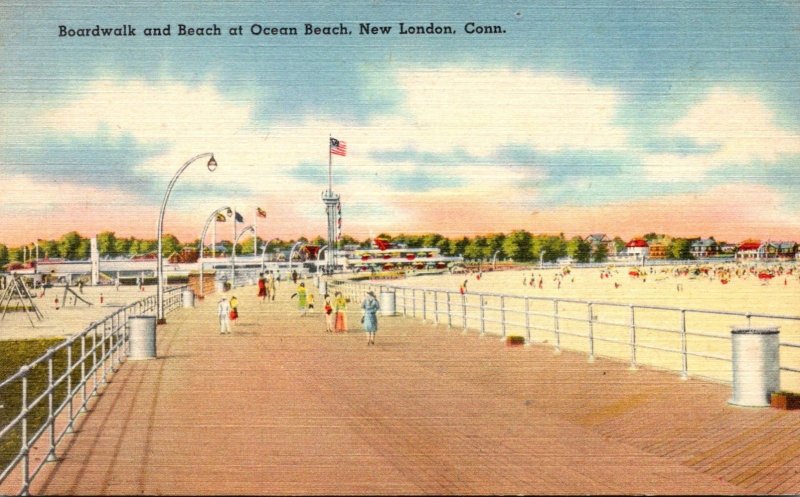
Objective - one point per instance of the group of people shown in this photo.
(335, 309)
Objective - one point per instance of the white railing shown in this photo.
(692, 342)
(57, 386)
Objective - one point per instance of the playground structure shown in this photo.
(16, 291)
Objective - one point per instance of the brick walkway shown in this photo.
(281, 407)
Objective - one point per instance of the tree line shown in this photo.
(519, 245)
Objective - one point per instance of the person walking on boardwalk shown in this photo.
(294, 277)
(223, 312)
(302, 295)
(328, 314)
(370, 307)
(272, 287)
(234, 304)
(262, 288)
(340, 308)
(310, 302)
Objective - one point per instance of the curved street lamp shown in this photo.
(212, 165)
(319, 256)
(252, 228)
(291, 253)
(541, 259)
(213, 216)
(264, 252)
(494, 260)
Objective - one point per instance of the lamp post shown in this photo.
(264, 253)
(211, 218)
(291, 253)
(541, 259)
(319, 256)
(212, 165)
(252, 228)
(494, 260)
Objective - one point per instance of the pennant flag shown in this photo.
(220, 217)
(261, 212)
(338, 147)
(239, 218)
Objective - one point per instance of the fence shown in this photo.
(692, 342)
(57, 386)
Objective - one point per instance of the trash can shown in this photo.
(219, 286)
(756, 365)
(388, 301)
(187, 298)
(142, 343)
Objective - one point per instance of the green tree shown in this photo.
(84, 249)
(48, 249)
(69, 244)
(15, 254)
(107, 243)
(431, 239)
(619, 244)
(444, 246)
(169, 245)
(579, 249)
(517, 245)
(600, 253)
(680, 248)
(476, 248)
(458, 245)
(122, 246)
(3, 255)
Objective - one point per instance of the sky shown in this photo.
(616, 117)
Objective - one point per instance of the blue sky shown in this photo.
(620, 117)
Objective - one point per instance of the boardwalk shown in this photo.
(281, 407)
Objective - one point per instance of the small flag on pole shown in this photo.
(220, 217)
(261, 212)
(239, 218)
(338, 147)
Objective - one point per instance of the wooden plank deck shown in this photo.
(281, 407)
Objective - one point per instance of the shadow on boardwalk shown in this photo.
(281, 407)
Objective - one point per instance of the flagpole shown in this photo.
(255, 236)
(233, 251)
(214, 241)
(330, 160)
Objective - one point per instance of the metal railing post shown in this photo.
(591, 331)
(464, 311)
(555, 326)
(436, 307)
(104, 379)
(414, 302)
(449, 313)
(70, 409)
(94, 360)
(51, 419)
(633, 337)
(503, 317)
(527, 321)
(83, 374)
(424, 305)
(482, 314)
(405, 299)
(24, 449)
(684, 347)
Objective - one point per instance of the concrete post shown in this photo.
(187, 298)
(388, 301)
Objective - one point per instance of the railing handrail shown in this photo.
(106, 342)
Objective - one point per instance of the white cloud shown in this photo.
(737, 128)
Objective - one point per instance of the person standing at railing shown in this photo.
(370, 307)
(223, 312)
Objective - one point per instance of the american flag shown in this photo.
(338, 147)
